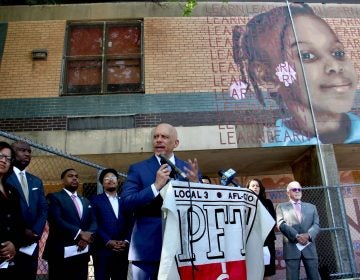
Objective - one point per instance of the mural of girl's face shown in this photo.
(331, 76)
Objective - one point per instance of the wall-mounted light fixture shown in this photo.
(39, 53)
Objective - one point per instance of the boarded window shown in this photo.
(104, 58)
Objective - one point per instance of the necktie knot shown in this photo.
(162, 161)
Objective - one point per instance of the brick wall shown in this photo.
(182, 55)
(22, 77)
(177, 57)
(33, 124)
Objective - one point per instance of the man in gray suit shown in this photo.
(299, 223)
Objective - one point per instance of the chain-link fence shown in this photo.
(338, 243)
(47, 163)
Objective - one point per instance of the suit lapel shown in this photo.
(291, 210)
(71, 204)
(14, 181)
(84, 207)
(153, 164)
(108, 204)
(30, 185)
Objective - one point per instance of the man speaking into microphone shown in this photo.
(141, 195)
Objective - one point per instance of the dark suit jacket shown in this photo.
(289, 225)
(34, 214)
(64, 223)
(138, 197)
(108, 226)
(12, 229)
(270, 239)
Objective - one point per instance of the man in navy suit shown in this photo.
(34, 208)
(141, 194)
(299, 223)
(111, 244)
(72, 225)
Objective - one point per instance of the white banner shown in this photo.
(212, 232)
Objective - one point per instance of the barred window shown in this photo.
(103, 58)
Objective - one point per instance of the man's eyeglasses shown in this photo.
(296, 190)
(7, 158)
(111, 178)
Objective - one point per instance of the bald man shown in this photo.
(141, 195)
(299, 223)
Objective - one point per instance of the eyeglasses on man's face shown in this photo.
(296, 190)
(7, 158)
(110, 178)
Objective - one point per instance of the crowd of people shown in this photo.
(117, 228)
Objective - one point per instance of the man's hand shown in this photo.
(121, 246)
(111, 244)
(162, 176)
(81, 245)
(7, 250)
(86, 236)
(303, 238)
(30, 236)
(193, 172)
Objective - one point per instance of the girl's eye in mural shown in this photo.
(339, 54)
(308, 56)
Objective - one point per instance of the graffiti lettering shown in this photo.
(220, 42)
(227, 137)
(223, 67)
(221, 54)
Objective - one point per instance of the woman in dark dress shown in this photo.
(258, 188)
(11, 226)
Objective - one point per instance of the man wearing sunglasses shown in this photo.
(299, 223)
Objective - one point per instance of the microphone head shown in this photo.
(226, 176)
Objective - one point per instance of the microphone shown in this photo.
(174, 167)
(227, 177)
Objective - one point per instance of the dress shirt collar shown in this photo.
(18, 171)
(111, 196)
(70, 193)
(171, 159)
(293, 202)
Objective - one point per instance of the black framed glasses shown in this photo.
(296, 190)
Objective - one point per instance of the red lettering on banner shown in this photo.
(228, 270)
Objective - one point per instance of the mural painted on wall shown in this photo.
(288, 79)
